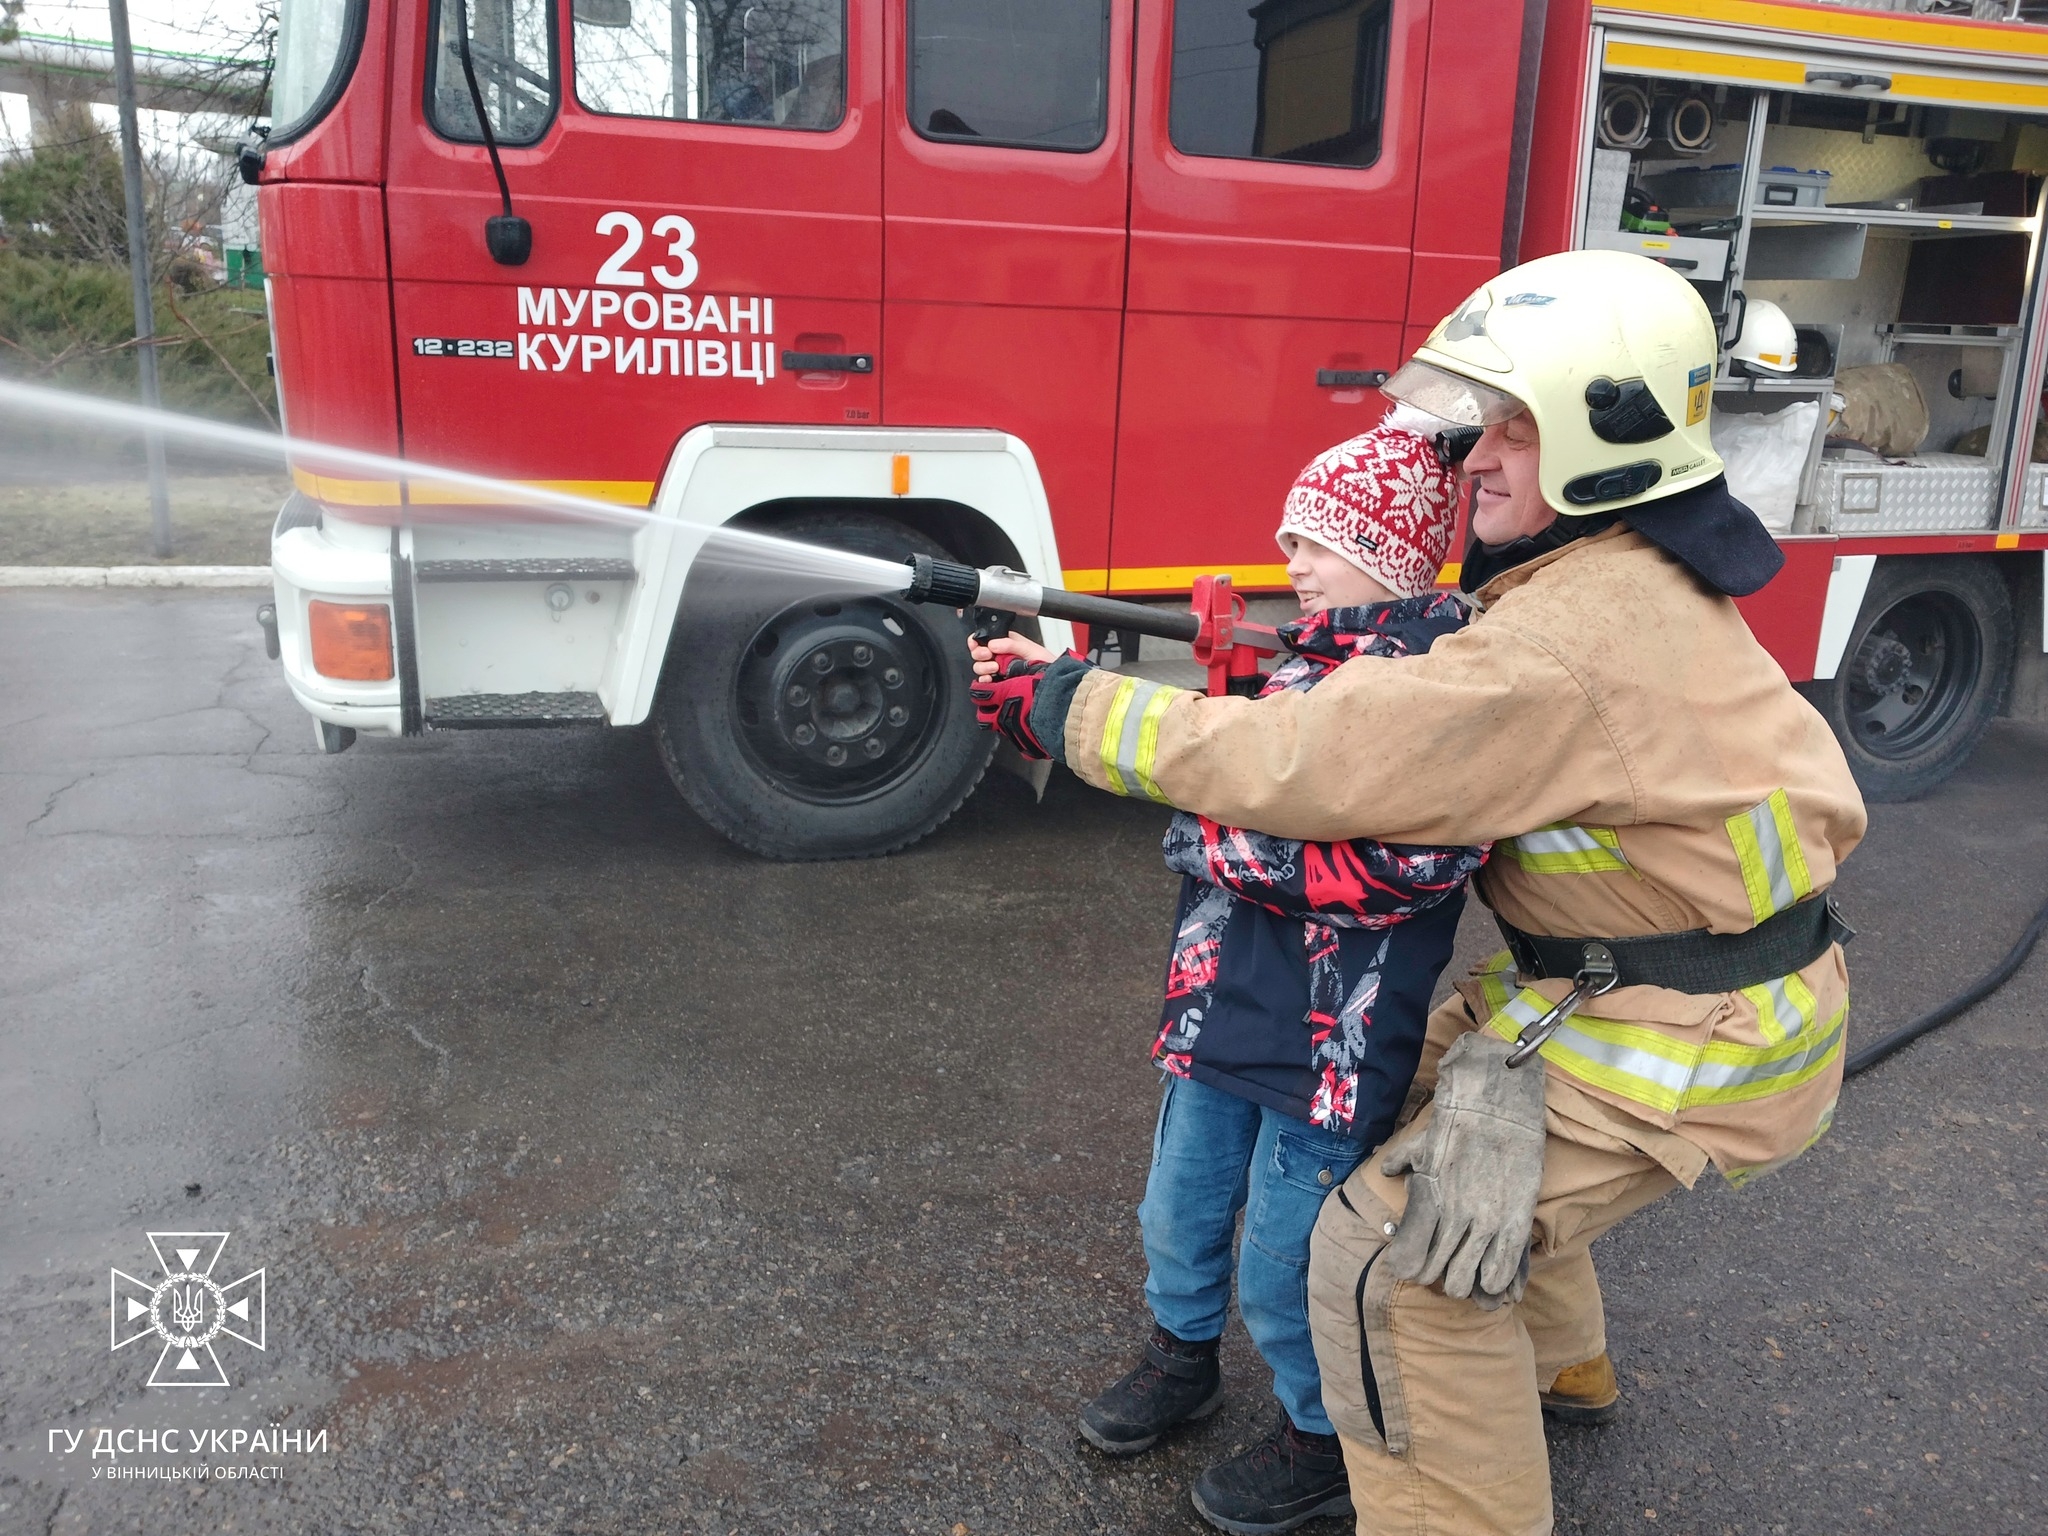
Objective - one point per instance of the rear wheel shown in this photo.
(830, 727)
(1927, 667)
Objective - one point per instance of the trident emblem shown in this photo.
(187, 1309)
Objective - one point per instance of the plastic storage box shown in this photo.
(1696, 186)
(1783, 187)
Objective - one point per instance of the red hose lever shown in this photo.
(1228, 645)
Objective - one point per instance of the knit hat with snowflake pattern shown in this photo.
(1384, 501)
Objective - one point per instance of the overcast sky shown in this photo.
(200, 26)
(185, 26)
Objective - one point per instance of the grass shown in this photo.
(215, 520)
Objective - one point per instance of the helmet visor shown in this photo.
(1450, 396)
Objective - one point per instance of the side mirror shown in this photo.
(249, 156)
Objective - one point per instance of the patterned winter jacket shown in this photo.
(1301, 973)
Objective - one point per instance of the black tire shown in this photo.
(1927, 667)
(824, 727)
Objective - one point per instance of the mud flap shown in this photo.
(1037, 772)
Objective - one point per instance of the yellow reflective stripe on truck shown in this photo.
(1774, 872)
(1787, 65)
(1130, 736)
(1805, 26)
(349, 491)
(1566, 848)
(1651, 1068)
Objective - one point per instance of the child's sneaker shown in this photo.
(1178, 1380)
(1287, 1479)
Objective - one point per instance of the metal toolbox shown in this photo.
(2034, 509)
(1704, 261)
(1939, 493)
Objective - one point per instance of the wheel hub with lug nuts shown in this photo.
(1887, 664)
(843, 697)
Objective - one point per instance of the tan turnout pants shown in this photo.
(1435, 1400)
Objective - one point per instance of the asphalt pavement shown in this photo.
(606, 1179)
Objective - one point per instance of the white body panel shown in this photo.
(1847, 583)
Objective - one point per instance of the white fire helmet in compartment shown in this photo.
(1768, 344)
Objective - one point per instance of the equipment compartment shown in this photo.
(1899, 239)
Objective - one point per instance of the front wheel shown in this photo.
(832, 727)
(1927, 667)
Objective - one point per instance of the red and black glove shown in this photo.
(1003, 704)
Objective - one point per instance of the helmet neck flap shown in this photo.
(1704, 528)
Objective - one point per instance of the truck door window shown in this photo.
(317, 42)
(1035, 76)
(1300, 80)
(512, 47)
(769, 63)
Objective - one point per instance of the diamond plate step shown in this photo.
(523, 570)
(494, 711)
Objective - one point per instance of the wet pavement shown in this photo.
(606, 1179)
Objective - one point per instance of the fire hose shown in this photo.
(1229, 647)
(1961, 1003)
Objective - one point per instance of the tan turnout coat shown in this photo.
(1643, 766)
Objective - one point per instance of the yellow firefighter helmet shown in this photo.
(1611, 353)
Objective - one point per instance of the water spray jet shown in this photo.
(743, 547)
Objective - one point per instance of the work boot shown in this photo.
(1586, 1393)
(1289, 1477)
(1178, 1380)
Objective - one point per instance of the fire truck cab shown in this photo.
(1078, 287)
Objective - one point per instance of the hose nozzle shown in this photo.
(962, 586)
(998, 589)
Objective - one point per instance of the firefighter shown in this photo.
(1668, 813)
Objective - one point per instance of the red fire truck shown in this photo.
(1077, 287)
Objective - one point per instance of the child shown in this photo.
(1299, 982)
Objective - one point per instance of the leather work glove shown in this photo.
(1003, 704)
(1473, 1175)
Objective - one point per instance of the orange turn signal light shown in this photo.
(351, 641)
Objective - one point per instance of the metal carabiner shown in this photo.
(1597, 973)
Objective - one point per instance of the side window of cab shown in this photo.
(763, 63)
(1300, 80)
(1021, 76)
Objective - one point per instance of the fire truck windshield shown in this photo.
(316, 48)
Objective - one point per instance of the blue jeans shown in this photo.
(1214, 1155)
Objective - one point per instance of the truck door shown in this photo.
(704, 182)
(1006, 180)
(1273, 184)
